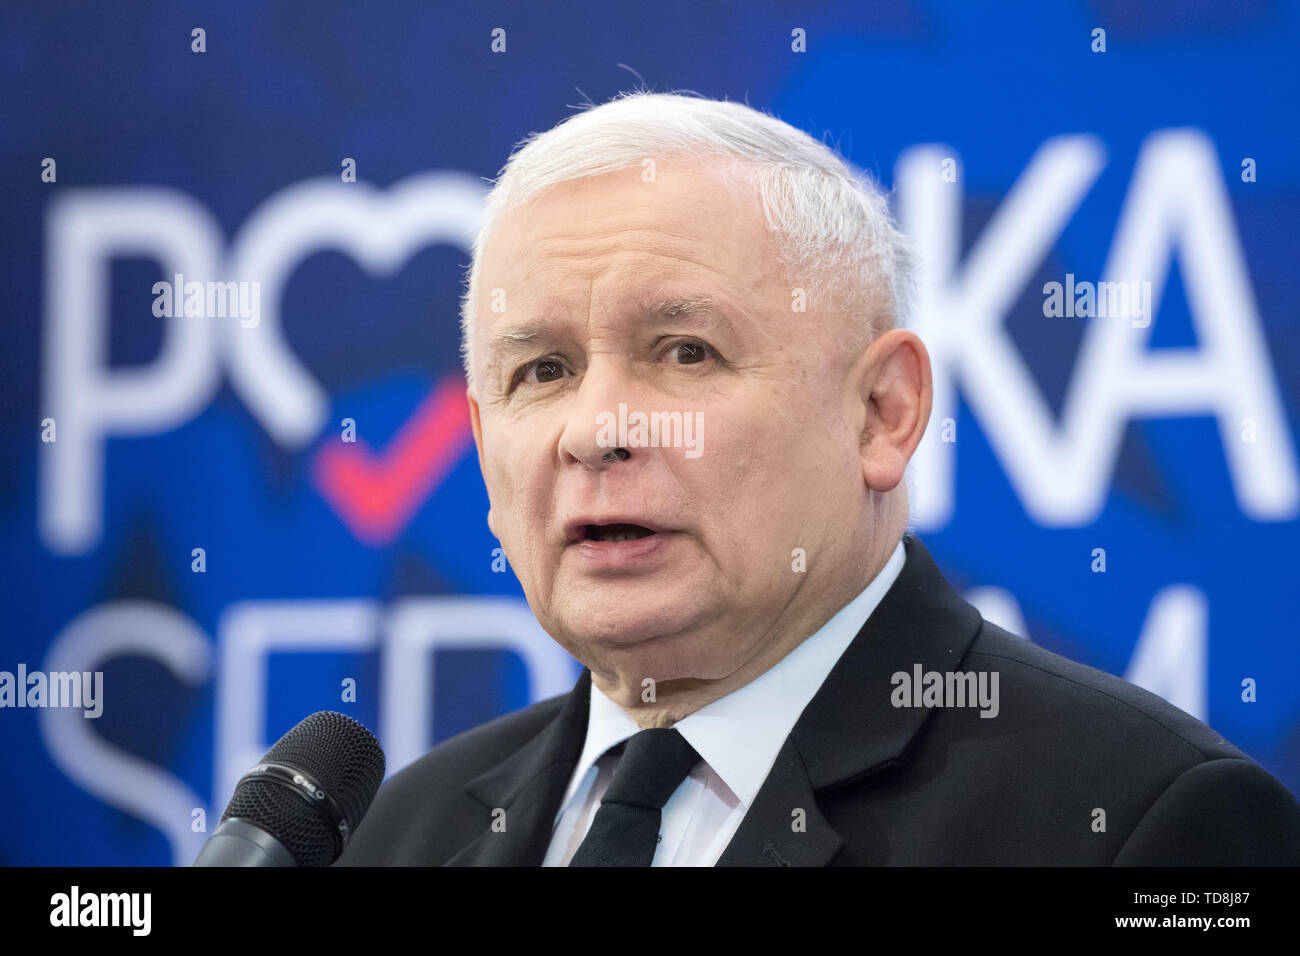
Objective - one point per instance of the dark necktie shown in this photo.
(625, 830)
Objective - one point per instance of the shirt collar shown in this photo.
(739, 735)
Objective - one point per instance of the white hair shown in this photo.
(833, 226)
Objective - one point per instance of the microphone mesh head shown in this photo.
(342, 756)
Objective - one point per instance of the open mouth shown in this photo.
(614, 532)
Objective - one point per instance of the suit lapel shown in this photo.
(850, 729)
(529, 786)
(783, 827)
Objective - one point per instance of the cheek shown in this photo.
(739, 482)
(508, 457)
(519, 483)
(767, 470)
(764, 447)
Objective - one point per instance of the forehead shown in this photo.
(692, 223)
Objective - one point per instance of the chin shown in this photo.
(604, 626)
(625, 628)
(621, 613)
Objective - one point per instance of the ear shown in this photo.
(477, 427)
(891, 392)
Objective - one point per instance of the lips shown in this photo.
(610, 528)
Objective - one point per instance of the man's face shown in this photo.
(582, 270)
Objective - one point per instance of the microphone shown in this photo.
(301, 803)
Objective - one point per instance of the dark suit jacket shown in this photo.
(886, 785)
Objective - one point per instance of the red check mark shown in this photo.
(376, 496)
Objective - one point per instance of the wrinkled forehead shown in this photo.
(696, 210)
(663, 236)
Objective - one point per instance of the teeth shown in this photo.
(616, 533)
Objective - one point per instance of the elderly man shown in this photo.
(693, 412)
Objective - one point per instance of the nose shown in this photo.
(591, 432)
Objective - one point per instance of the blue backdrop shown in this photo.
(179, 508)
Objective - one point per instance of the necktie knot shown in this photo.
(653, 765)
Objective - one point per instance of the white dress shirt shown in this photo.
(737, 737)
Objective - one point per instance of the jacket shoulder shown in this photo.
(1190, 798)
(1077, 767)
(1080, 698)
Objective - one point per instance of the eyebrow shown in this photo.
(503, 343)
(681, 305)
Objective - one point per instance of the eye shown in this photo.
(692, 353)
(539, 372)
